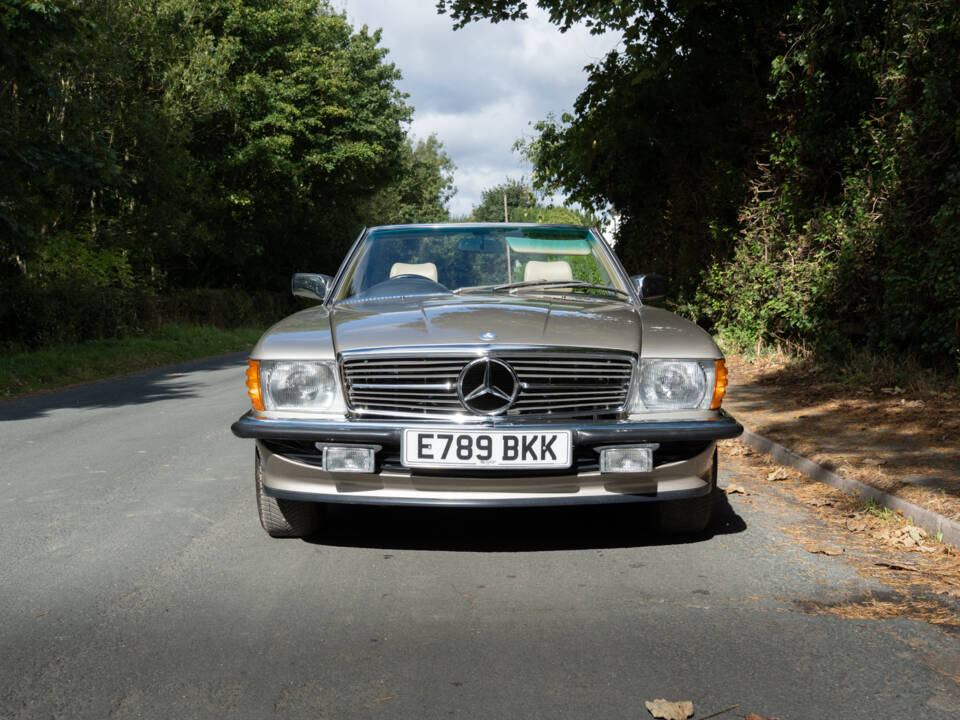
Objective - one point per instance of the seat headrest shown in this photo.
(547, 271)
(427, 270)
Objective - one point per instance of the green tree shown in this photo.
(805, 152)
(521, 202)
(421, 190)
(525, 205)
(294, 119)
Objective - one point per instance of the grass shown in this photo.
(879, 511)
(24, 372)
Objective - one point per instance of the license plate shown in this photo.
(486, 449)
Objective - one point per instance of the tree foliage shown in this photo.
(184, 143)
(422, 189)
(793, 165)
(524, 204)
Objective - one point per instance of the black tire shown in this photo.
(689, 517)
(284, 518)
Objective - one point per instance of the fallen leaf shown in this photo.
(873, 462)
(927, 548)
(780, 473)
(914, 534)
(754, 716)
(820, 502)
(739, 489)
(893, 565)
(666, 710)
(823, 548)
(913, 403)
(856, 524)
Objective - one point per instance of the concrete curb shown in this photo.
(928, 520)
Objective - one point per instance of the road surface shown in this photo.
(136, 582)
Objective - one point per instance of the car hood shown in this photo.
(319, 333)
(564, 322)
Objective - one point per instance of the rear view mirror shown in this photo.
(650, 287)
(476, 244)
(311, 286)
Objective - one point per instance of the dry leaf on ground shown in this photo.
(666, 710)
(820, 502)
(824, 548)
(738, 489)
(856, 524)
(754, 716)
(781, 473)
(896, 565)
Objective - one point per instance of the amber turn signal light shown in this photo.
(719, 384)
(253, 384)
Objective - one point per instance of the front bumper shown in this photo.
(291, 473)
(613, 432)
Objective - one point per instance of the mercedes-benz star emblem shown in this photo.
(487, 386)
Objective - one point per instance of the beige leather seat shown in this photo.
(427, 270)
(538, 271)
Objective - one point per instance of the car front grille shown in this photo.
(551, 384)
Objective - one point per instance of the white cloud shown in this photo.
(479, 88)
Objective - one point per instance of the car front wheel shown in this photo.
(691, 516)
(284, 518)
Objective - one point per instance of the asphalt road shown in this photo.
(136, 582)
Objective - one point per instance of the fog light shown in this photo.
(348, 459)
(627, 459)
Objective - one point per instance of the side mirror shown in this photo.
(311, 286)
(650, 287)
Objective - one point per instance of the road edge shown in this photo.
(181, 366)
(930, 521)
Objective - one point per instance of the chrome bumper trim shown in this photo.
(482, 503)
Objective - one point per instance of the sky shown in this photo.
(479, 88)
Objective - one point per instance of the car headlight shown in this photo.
(306, 385)
(667, 384)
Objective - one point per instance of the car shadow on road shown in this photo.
(134, 389)
(510, 529)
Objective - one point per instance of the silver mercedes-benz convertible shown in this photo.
(483, 365)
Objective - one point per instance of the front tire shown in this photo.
(284, 518)
(689, 517)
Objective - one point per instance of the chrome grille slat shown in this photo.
(551, 407)
(592, 397)
(563, 385)
(455, 404)
(542, 375)
(365, 387)
(405, 372)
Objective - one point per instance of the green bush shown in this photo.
(34, 317)
(852, 237)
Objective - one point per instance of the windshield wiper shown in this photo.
(558, 284)
(540, 284)
(472, 288)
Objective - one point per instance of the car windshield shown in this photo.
(440, 260)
